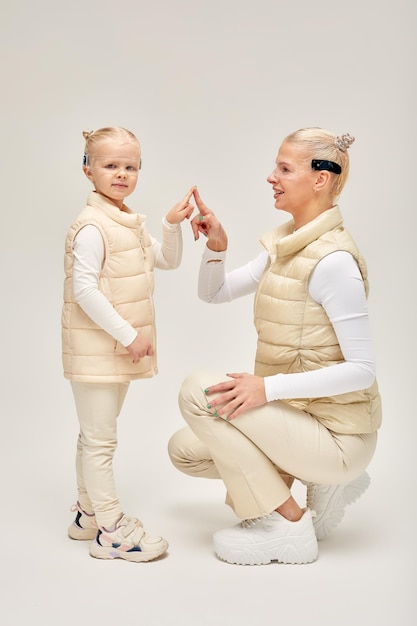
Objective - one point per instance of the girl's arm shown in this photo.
(168, 254)
(88, 260)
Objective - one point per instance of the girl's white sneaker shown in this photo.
(128, 541)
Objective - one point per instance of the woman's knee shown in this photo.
(176, 447)
(190, 455)
(192, 390)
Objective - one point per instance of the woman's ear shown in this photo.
(323, 177)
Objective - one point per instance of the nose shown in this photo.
(122, 173)
(272, 178)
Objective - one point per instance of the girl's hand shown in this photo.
(139, 348)
(182, 210)
(208, 224)
(243, 392)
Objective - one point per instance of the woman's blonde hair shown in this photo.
(92, 137)
(318, 143)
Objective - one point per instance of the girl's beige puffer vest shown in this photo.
(294, 332)
(89, 353)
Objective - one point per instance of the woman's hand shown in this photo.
(243, 392)
(139, 348)
(182, 210)
(208, 224)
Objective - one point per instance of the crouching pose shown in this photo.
(311, 410)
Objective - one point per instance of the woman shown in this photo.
(311, 410)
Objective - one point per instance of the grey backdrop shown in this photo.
(210, 89)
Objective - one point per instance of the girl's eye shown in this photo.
(131, 168)
(110, 166)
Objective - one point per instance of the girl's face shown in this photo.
(114, 168)
(293, 181)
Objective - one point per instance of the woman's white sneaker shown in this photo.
(329, 502)
(269, 538)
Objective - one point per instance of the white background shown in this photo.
(210, 88)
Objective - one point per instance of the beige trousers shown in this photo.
(98, 407)
(258, 454)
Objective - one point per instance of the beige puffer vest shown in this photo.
(89, 353)
(294, 332)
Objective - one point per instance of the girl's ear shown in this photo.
(88, 172)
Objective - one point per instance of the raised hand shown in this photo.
(207, 223)
(182, 210)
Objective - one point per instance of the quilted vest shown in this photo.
(89, 353)
(294, 332)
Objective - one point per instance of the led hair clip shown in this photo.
(85, 161)
(330, 166)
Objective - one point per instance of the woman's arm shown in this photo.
(337, 285)
(215, 286)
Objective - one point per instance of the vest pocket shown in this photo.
(118, 348)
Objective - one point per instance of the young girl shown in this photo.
(108, 331)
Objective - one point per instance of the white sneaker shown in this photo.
(329, 502)
(269, 538)
(84, 526)
(128, 541)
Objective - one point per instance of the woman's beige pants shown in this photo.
(258, 454)
(98, 407)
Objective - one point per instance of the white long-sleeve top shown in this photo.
(336, 284)
(88, 261)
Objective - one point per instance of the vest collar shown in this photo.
(285, 241)
(126, 216)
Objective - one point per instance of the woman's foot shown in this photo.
(329, 502)
(270, 538)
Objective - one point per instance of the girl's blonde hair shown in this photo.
(318, 143)
(92, 137)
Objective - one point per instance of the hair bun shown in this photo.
(87, 133)
(344, 142)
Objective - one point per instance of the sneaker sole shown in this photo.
(98, 552)
(351, 492)
(283, 552)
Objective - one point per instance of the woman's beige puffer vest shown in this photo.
(294, 332)
(89, 353)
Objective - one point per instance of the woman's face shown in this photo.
(293, 181)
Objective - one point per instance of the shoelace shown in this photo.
(77, 507)
(248, 523)
(311, 494)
